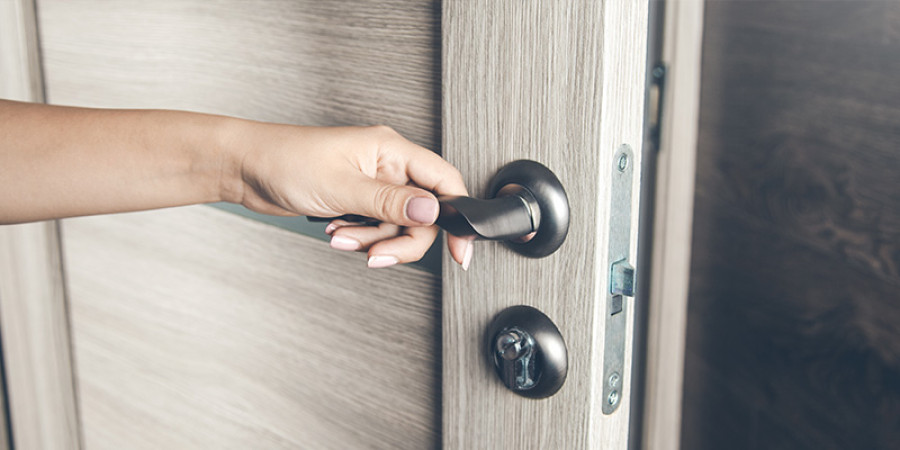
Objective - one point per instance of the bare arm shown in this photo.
(61, 162)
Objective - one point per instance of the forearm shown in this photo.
(62, 162)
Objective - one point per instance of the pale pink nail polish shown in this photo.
(330, 228)
(467, 257)
(378, 262)
(344, 243)
(422, 209)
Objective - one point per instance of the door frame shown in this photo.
(41, 398)
(671, 234)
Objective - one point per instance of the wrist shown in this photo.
(228, 153)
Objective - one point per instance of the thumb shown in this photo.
(393, 203)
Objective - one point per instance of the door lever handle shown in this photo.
(511, 215)
(526, 207)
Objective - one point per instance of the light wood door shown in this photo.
(561, 83)
(196, 328)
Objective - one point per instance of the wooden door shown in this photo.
(561, 83)
(197, 328)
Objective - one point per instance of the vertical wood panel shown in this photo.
(35, 331)
(194, 328)
(230, 380)
(19, 58)
(561, 83)
(33, 316)
(309, 62)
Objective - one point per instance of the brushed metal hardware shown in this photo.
(516, 350)
(526, 207)
(528, 352)
(621, 277)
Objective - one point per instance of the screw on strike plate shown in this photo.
(623, 162)
(614, 380)
(613, 398)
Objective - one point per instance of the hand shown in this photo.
(369, 171)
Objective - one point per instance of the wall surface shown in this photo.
(794, 313)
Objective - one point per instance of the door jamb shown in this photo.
(672, 224)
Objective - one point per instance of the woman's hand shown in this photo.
(368, 171)
(60, 162)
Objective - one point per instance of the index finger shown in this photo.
(429, 171)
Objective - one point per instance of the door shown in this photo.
(197, 328)
(793, 330)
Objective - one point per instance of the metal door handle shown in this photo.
(509, 216)
(526, 207)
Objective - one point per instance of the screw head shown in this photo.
(614, 380)
(623, 162)
(658, 72)
(613, 397)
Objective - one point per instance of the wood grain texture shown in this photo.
(35, 334)
(561, 83)
(196, 328)
(20, 68)
(310, 62)
(795, 289)
(39, 389)
(273, 340)
(673, 215)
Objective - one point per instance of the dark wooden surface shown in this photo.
(794, 312)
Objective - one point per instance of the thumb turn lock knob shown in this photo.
(528, 352)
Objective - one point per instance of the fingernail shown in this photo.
(378, 262)
(467, 257)
(330, 228)
(344, 243)
(422, 209)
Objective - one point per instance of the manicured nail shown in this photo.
(467, 257)
(330, 228)
(422, 209)
(344, 243)
(378, 262)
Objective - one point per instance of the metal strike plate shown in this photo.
(621, 278)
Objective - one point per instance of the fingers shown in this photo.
(408, 247)
(334, 225)
(351, 236)
(461, 250)
(339, 223)
(387, 244)
(432, 172)
(398, 204)
(412, 208)
(355, 238)
(428, 170)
